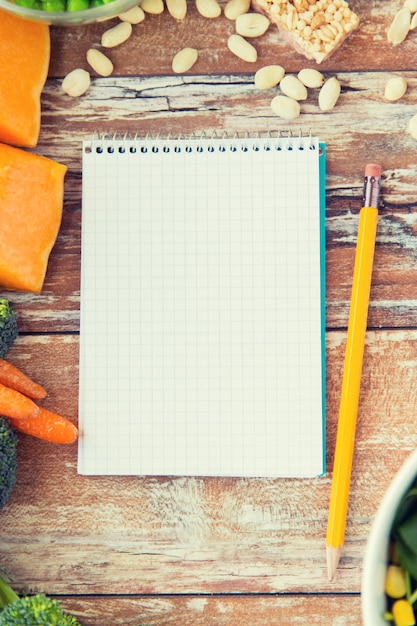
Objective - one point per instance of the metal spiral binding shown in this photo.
(198, 142)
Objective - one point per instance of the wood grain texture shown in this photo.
(363, 124)
(130, 535)
(362, 127)
(201, 551)
(221, 610)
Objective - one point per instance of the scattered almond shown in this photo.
(184, 60)
(311, 78)
(208, 8)
(411, 5)
(329, 94)
(135, 15)
(153, 7)
(76, 82)
(116, 35)
(177, 8)
(292, 87)
(242, 48)
(252, 24)
(268, 76)
(412, 126)
(399, 27)
(286, 107)
(395, 88)
(234, 8)
(99, 62)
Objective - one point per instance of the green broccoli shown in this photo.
(8, 326)
(37, 610)
(8, 461)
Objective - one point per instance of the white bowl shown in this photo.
(376, 554)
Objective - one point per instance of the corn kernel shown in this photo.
(395, 583)
(403, 613)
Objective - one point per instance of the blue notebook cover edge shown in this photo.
(322, 176)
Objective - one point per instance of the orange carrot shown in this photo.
(13, 377)
(48, 426)
(16, 405)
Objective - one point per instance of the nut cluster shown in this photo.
(294, 89)
(317, 27)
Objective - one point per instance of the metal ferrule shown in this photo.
(371, 191)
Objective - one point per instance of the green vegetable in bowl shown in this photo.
(8, 462)
(61, 5)
(401, 576)
(8, 326)
(37, 610)
(404, 531)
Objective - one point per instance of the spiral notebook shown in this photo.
(202, 307)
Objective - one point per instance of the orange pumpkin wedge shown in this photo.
(31, 201)
(25, 55)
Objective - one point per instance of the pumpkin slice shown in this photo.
(24, 54)
(31, 201)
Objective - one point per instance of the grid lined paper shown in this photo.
(201, 348)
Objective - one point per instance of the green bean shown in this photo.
(53, 5)
(60, 6)
(77, 5)
(29, 4)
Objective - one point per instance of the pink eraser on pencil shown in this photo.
(372, 169)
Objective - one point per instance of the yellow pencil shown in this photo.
(352, 372)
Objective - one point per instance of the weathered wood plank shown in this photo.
(222, 610)
(130, 535)
(362, 127)
(154, 42)
(393, 298)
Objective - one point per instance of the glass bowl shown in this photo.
(69, 18)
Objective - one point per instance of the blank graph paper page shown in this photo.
(202, 307)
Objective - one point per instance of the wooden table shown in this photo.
(178, 551)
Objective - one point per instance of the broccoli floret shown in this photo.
(8, 326)
(37, 610)
(8, 462)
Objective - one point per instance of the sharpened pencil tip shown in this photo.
(333, 557)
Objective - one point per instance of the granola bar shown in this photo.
(316, 28)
